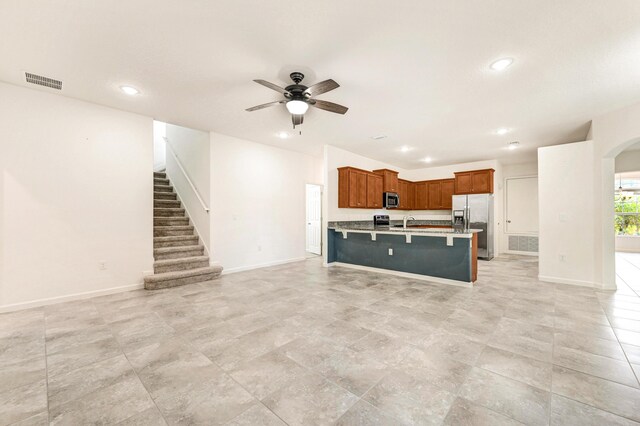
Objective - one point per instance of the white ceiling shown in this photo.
(414, 70)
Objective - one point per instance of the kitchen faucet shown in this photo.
(405, 220)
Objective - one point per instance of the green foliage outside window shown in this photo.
(627, 208)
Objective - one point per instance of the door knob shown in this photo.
(508, 221)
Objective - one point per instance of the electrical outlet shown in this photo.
(562, 257)
(102, 265)
(390, 252)
(259, 248)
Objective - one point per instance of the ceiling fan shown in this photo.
(298, 97)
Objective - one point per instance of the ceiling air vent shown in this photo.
(43, 81)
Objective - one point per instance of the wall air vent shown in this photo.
(43, 81)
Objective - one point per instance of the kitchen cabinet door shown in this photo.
(463, 183)
(412, 196)
(422, 196)
(446, 193)
(362, 189)
(403, 192)
(435, 195)
(374, 191)
(390, 180)
(482, 181)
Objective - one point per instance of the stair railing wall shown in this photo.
(188, 193)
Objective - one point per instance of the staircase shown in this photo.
(179, 258)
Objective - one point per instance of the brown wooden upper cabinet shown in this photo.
(439, 193)
(446, 192)
(474, 182)
(403, 193)
(389, 180)
(352, 188)
(374, 191)
(422, 195)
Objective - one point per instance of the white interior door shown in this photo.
(314, 219)
(522, 205)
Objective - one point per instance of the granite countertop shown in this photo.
(400, 230)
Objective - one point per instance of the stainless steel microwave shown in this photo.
(391, 200)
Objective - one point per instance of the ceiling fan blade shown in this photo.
(329, 106)
(297, 119)
(320, 88)
(273, 87)
(257, 107)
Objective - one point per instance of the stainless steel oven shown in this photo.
(391, 200)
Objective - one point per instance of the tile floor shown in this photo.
(300, 344)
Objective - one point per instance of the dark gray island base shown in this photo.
(437, 255)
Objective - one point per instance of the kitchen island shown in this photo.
(437, 254)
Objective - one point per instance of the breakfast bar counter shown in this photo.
(438, 254)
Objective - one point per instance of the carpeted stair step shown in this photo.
(170, 221)
(167, 212)
(161, 181)
(176, 241)
(165, 196)
(162, 188)
(164, 253)
(177, 278)
(166, 203)
(171, 265)
(169, 231)
(161, 175)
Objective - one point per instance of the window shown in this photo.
(627, 208)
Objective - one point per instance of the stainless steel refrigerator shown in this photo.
(478, 214)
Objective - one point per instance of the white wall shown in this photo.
(76, 191)
(628, 161)
(190, 149)
(159, 146)
(567, 213)
(336, 157)
(258, 214)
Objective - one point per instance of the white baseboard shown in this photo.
(69, 298)
(404, 274)
(559, 280)
(262, 265)
(628, 250)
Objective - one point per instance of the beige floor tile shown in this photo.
(411, 399)
(596, 365)
(257, 415)
(567, 411)
(266, 373)
(310, 400)
(365, 414)
(464, 412)
(603, 394)
(352, 370)
(23, 402)
(517, 367)
(511, 398)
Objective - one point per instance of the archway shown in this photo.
(607, 215)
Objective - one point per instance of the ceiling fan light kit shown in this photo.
(299, 97)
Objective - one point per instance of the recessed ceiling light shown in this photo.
(513, 145)
(129, 90)
(427, 159)
(502, 131)
(283, 135)
(405, 149)
(501, 64)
